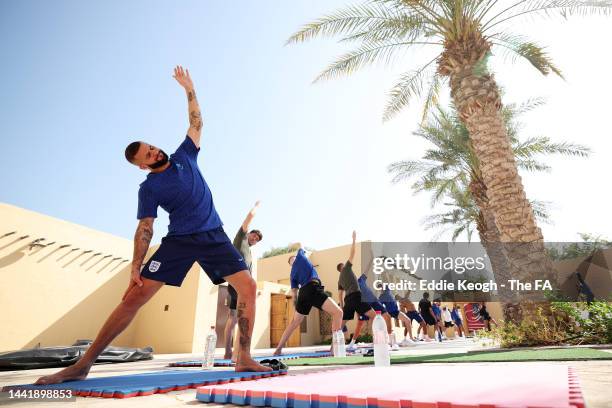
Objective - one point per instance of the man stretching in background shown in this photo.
(307, 292)
(456, 316)
(408, 308)
(427, 313)
(352, 300)
(195, 234)
(243, 243)
(390, 304)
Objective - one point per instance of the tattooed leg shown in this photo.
(246, 288)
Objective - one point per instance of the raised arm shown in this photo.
(195, 117)
(249, 217)
(352, 254)
(142, 240)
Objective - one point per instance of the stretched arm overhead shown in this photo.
(142, 240)
(352, 254)
(249, 217)
(195, 117)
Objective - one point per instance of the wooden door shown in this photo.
(281, 313)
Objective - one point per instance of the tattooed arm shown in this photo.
(142, 239)
(195, 117)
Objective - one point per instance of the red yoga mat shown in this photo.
(414, 386)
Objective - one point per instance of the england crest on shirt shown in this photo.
(154, 266)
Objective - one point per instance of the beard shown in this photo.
(161, 162)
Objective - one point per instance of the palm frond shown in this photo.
(564, 8)
(345, 21)
(540, 211)
(518, 46)
(406, 169)
(433, 96)
(531, 165)
(542, 145)
(380, 52)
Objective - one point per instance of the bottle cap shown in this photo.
(378, 312)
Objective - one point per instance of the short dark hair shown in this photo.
(426, 295)
(131, 150)
(339, 266)
(258, 233)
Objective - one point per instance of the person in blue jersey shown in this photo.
(390, 303)
(458, 320)
(437, 311)
(195, 234)
(307, 292)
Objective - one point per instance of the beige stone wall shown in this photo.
(52, 295)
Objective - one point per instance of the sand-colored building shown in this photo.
(59, 281)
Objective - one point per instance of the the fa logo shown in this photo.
(154, 266)
(179, 166)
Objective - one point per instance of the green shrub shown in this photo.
(561, 323)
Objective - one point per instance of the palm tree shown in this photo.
(451, 172)
(462, 35)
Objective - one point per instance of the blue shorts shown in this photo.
(212, 249)
(414, 315)
(392, 309)
(378, 307)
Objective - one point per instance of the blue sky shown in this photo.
(80, 80)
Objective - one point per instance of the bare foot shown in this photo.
(277, 352)
(251, 365)
(71, 373)
(227, 355)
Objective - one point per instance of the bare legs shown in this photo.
(119, 319)
(247, 291)
(232, 319)
(295, 323)
(329, 306)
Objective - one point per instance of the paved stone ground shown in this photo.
(595, 377)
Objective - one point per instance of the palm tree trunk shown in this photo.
(489, 238)
(477, 98)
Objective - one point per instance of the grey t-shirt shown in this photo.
(242, 245)
(347, 280)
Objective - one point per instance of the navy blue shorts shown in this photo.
(378, 307)
(414, 315)
(212, 249)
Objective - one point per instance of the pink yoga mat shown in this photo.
(411, 386)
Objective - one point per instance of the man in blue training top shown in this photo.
(456, 316)
(195, 234)
(390, 304)
(307, 292)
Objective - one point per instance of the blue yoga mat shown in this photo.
(228, 362)
(125, 386)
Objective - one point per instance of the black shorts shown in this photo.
(232, 297)
(353, 304)
(448, 324)
(212, 249)
(429, 320)
(309, 295)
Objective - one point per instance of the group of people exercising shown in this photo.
(195, 234)
(356, 298)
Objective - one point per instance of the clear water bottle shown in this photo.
(382, 357)
(339, 347)
(209, 351)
